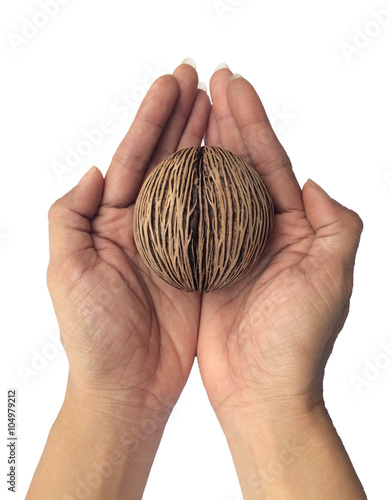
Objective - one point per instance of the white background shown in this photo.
(336, 114)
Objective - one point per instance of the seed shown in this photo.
(202, 219)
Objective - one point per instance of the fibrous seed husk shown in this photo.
(202, 219)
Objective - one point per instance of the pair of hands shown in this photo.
(262, 343)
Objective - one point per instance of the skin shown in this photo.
(131, 339)
(264, 341)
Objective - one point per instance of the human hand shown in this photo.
(265, 340)
(129, 337)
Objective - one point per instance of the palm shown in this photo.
(252, 320)
(141, 325)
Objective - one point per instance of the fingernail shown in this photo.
(190, 62)
(202, 86)
(221, 66)
(87, 174)
(234, 77)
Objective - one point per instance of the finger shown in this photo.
(194, 130)
(228, 129)
(337, 229)
(187, 79)
(130, 161)
(69, 219)
(212, 134)
(267, 154)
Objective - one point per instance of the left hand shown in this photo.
(264, 341)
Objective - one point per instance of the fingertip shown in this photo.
(169, 81)
(92, 171)
(97, 171)
(312, 184)
(70, 218)
(237, 86)
(202, 96)
(322, 193)
(318, 195)
(319, 206)
(323, 210)
(220, 78)
(86, 196)
(162, 95)
(187, 72)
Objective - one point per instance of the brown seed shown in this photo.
(202, 219)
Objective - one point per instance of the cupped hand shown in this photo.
(264, 341)
(129, 337)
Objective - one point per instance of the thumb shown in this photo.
(337, 228)
(69, 217)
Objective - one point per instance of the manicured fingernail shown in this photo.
(221, 66)
(202, 86)
(190, 62)
(87, 174)
(234, 77)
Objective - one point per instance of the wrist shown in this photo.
(289, 456)
(99, 448)
(131, 432)
(249, 407)
(117, 413)
(263, 437)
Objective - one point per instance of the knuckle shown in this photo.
(54, 210)
(58, 211)
(128, 160)
(355, 220)
(274, 164)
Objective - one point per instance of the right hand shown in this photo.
(130, 338)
